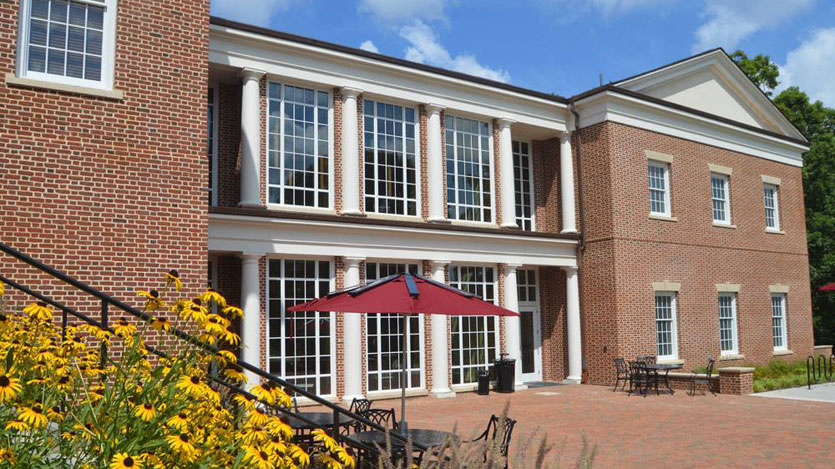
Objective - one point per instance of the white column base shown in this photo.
(520, 387)
(442, 393)
(250, 205)
(353, 213)
(572, 380)
(569, 232)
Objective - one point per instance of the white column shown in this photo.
(251, 322)
(569, 224)
(435, 163)
(350, 154)
(251, 138)
(440, 343)
(352, 336)
(512, 326)
(508, 185)
(572, 313)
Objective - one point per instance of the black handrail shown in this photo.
(109, 300)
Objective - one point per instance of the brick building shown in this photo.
(662, 214)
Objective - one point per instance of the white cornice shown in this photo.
(236, 233)
(616, 107)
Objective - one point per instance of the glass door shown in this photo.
(531, 341)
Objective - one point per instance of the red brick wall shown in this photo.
(112, 192)
(229, 145)
(626, 251)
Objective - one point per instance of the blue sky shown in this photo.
(561, 46)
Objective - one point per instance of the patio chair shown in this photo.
(640, 378)
(648, 359)
(359, 405)
(711, 383)
(383, 417)
(498, 432)
(621, 373)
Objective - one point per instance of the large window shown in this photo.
(386, 336)
(778, 320)
(301, 344)
(68, 42)
(523, 177)
(659, 188)
(298, 146)
(772, 210)
(474, 338)
(720, 199)
(390, 159)
(665, 325)
(728, 344)
(210, 143)
(468, 170)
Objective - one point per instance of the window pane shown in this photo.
(473, 337)
(468, 171)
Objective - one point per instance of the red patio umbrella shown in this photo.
(828, 287)
(405, 294)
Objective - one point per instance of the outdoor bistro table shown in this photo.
(656, 368)
(427, 438)
(321, 420)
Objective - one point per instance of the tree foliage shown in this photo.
(817, 123)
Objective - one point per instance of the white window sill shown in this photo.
(653, 216)
(14, 80)
(395, 393)
(724, 225)
(731, 356)
(479, 224)
(670, 361)
(773, 231)
(388, 216)
(302, 209)
(778, 353)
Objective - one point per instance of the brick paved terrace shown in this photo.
(657, 431)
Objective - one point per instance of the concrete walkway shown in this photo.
(818, 393)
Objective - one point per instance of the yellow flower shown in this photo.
(213, 297)
(195, 313)
(182, 444)
(228, 356)
(55, 414)
(125, 461)
(7, 455)
(179, 421)
(152, 299)
(213, 325)
(38, 310)
(145, 411)
(2, 289)
(231, 338)
(256, 417)
(264, 392)
(161, 324)
(235, 375)
(233, 312)
(192, 385)
(17, 425)
(173, 278)
(299, 455)
(33, 416)
(9, 388)
(123, 328)
(258, 458)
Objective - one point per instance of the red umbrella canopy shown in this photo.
(828, 287)
(405, 294)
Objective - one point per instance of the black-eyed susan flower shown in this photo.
(181, 443)
(233, 312)
(38, 310)
(173, 278)
(228, 356)
(152, 299)
(256, 417)
(145, 411)
(179, 421)
(17, 425)
(161, 324)
(123, 328)
(231, 338)
(2, 289)
(33, 416)
(55, 414)
(126, 461)
(9, 388)
(7, 455)
(213, 325)
(258, 458)
(263, 392)
(234, 374)
(191, 385)
(210, 296)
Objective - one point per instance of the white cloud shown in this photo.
(811, 67)
(609, 7)
(425, 48)
(731, 21)
(403, 10)
(369, 46)
(257, 12)
(570, 10)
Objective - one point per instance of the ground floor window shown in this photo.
(300, 345)
(665, 325)
(474, 339)
(728, 344)
(778, 320)
(385, 339)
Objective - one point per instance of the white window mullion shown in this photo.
(778, 321)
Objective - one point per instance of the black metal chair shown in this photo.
(383, 417)
(499, 431)
(622, 373)
(359, 405)
(640, 378)
(712, 384)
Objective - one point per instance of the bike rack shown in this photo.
(818, 371)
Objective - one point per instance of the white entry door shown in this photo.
(531, 341)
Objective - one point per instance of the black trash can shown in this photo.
(484, 382)
(505, 373)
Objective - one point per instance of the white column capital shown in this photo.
(512, 267)
(432, 108)
(348, 92)
(439, 264)
(504, 122)
(352, 261)
(250, 256)
(251, 74)
(570, 269)
(565, 137)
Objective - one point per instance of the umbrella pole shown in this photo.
(403, 425)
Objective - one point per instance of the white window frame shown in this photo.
(734, 321)
(673, 320)
(421, 341)
(782, 328)
(520, 220)
(491, 177)
(665, 167)
(488, 363)
(334, 376)
(417, 153)
(108, 58)
(776, 201)
(725, 200)
(266, 116)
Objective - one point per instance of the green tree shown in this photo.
(760, 70)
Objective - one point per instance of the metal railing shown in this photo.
(340, 414)
(818, 371)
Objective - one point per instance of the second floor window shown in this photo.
(390, 159)
(298, 146)
(720, 198)
(772, 211)
(69, 42)
(523, 177)
(468, 170)
(659, 188)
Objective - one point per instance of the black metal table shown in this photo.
(423, 437)
(657, 368)
(323, 420)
